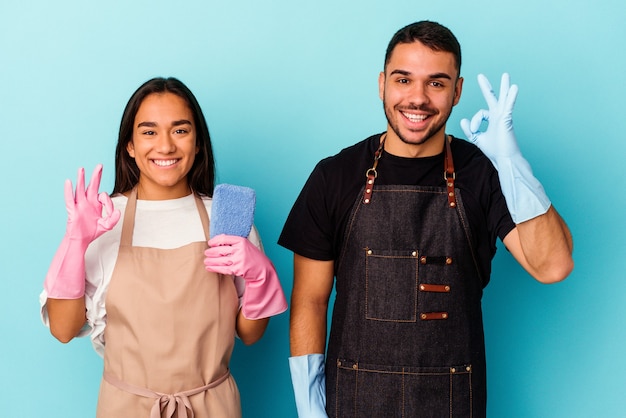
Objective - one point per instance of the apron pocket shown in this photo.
(369, 390)
(383, 286)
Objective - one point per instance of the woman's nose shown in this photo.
(166, 144)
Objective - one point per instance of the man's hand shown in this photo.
(498, 141)
(524, 195)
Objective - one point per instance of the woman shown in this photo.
(161, 306)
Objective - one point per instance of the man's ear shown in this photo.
(458, 88)
(381, 85)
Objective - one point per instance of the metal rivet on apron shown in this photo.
(452, 370)
(448, 260)
(370, 181)
(452, 204)
(368, 190)
(369, 252)
(414, 254)
(468, 368)
(423, 316)
(444, 315)
(447, 288)
(367, 200)
(338, 362)
(422, 287)
(423, 260)
(355, 366)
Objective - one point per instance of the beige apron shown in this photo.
(170, 332)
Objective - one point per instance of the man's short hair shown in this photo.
(435, 36)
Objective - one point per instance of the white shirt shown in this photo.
(163, 224)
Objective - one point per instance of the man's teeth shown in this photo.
(414, 118)
(164, 163)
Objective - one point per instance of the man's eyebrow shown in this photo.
(435, 75)
(441, 75)
(401, 72)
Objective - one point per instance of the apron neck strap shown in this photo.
(371, 173)
(204, 217)
(448, 174)
(129, 218)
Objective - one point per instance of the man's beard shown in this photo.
(432, 131)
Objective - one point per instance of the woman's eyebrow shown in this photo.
(154, 124)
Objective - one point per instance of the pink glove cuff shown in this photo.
(263, 299)
(66, 276)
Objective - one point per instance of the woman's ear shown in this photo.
(130, 147)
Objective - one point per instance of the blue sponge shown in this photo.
(232, 210)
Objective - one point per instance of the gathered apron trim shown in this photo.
(173, 402)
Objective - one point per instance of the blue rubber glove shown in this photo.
(524, 195)
(309, 385)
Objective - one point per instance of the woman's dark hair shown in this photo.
(431, 34)
(201, 177)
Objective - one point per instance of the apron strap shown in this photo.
(448, 174)
(128, 225)
(204, 217)
(371, 173)
(173, 402)
(129, 219)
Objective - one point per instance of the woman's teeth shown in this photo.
(164, 163)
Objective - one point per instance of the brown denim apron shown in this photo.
(170, 332)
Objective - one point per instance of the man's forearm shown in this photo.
(312, 286)
(307, 331)
(547, 246)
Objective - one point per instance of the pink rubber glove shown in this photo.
(263, 296)
(85, 222)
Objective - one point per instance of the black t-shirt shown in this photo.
(317, 221)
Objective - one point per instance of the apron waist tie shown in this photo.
(173, 402)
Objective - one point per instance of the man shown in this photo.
(410, 244)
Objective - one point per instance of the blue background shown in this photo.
(284, 84)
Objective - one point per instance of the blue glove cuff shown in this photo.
(525, 196)
(309, 385)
